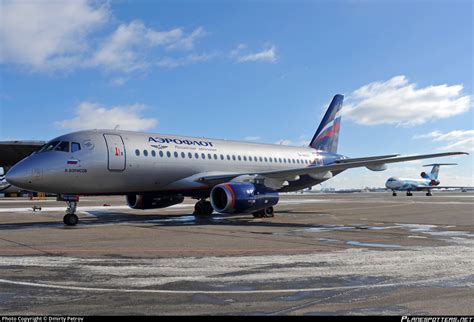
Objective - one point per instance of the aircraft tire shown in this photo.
(394, 194)
(269, 212)
(70, 220)
(203, 209)
(259, 214)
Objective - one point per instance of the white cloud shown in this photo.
(458, 140)
(171, 62)
(118, 81)
(48, 35)
(127, 49)
(284, 142)
(399, 102)
(93, 116)
(267, 55)
(188, 42)
(252, 138)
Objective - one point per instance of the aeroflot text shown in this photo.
(178, 141)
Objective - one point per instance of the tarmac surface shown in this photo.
(322, 254)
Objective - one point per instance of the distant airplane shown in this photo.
(428, 182)
(159, 170)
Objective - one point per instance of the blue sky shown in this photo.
(247, 70)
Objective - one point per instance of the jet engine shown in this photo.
(424, 175)
(152, 201)
(235, 197)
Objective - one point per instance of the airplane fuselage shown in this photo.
(407, 184)
(121, 162)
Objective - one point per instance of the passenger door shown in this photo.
(116, 152)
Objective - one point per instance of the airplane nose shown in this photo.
(18, 176)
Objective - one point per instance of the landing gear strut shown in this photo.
(70, 219)
(264, 213)
(203, 208)
(428, 194)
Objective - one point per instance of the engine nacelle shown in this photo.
(377, 167)
(235, 197)
(152, 201)
(424, 175)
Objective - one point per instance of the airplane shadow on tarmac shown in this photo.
(111, 218)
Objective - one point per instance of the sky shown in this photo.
(259, 71)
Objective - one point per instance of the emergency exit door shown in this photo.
(116, 152)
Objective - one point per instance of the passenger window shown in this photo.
(161, 153)
(203, 156)
(183, 155)
(250, 158)
(215, 156)
(209, 156)
(153, 153)
(266, 160)
(233, 157)
(75, 147)
(239, 157)
(168, 154)
(245, 158)
(137, 152)
(63, 147)
(176, 154)
(222, 157)
(145, 153)
(228, 157)
(190, 155)
(261, 159)
(196, 155)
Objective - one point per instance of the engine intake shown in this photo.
(235, 197)
(152, 201)
(424, 175)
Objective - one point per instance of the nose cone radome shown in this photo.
(18, 176)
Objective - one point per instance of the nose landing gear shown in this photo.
(70, 219)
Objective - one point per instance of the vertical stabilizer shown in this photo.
(326, 137)
(435, 170)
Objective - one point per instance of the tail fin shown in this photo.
(435, 170)
(327, 135)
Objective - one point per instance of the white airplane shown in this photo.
(159, 170)
(428, 182)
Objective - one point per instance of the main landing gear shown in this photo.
(428, 194)
(409, 194)
(264, 213)
(203, 208)
(70, 219)
(394, 193)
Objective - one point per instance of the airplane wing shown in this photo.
(13, 151)
(275, 179)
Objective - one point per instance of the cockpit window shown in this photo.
(49, 146)
(63, 147)
(75, 147)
